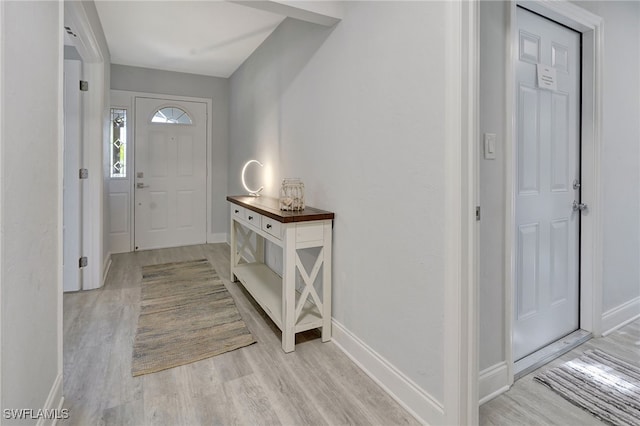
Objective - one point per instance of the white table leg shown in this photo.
(326, 284)
(234, 252)
(289, 292)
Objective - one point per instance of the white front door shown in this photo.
(170, 173)
(546, 294)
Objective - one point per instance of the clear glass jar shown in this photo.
(292, 194)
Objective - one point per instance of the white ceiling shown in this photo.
(199, 37)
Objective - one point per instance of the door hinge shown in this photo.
(84, 86)
(477, 212)
(83, 261)
(84, 174)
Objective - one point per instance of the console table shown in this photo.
(290, 309)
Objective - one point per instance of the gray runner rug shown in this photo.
(186, 315)
(607, 387)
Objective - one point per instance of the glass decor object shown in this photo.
(118, 142)
(171, 115)
(292, 194)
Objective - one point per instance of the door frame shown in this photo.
(131, 105)
(591, 28)
(461, 303)
(94, 129)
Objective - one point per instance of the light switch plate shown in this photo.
(490, 146)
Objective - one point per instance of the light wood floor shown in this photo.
(531, 403)
(259, 384)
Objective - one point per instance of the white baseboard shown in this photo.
(620, 316)
(493, 381)
(217, 238)
(54, 402)
(421, 405)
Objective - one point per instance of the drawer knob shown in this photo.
(237, 211)
(250, 217)
(268, 226)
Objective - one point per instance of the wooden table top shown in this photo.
(270, 207)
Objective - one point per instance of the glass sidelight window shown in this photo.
(118, 141)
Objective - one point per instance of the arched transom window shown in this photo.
(171, 115)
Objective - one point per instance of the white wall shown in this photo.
(180, 84)
(621, 153)
(30, 191)
(492, 114)
(620, 169)
(357, 112)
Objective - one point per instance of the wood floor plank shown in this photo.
(120, 387)
(372, 400)
(128, 414)
(288, 395)
(248, 393)
(215, 409)
(165, 410)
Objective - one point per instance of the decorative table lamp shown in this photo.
(254, 193)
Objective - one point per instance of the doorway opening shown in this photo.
(160, 192)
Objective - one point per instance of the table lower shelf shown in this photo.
(265, 286)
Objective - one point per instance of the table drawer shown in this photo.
(252, 218)
(237, 212)
(272, 227)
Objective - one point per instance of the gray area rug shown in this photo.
(186, 315)
(607, 387)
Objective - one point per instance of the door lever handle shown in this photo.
(579, 206)
(141, 185)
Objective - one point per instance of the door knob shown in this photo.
(141, 185)
(579, 206)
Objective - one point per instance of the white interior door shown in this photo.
(72, 201)
(170, 173)
(546, 296)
